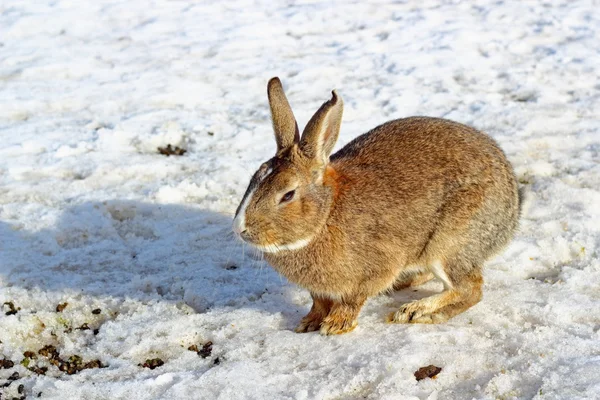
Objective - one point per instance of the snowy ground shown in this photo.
(92, 215)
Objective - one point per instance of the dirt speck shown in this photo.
(205, 351)
(171, 151)
(6, 364)
(429, 371)
(61, 307)
(14, 377)
(11, 308)
(84, 327)
(152, 363)
(96, 311)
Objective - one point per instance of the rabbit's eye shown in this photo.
(288, 196)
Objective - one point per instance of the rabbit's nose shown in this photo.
(245, 235)
(239, 225)
(242, 233)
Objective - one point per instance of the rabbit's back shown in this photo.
(418, 177)
(423, 147)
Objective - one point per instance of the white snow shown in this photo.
(92, 215)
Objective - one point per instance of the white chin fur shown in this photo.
(277, 248)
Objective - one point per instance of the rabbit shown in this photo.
(410, 200)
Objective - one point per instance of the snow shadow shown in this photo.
(143, 251)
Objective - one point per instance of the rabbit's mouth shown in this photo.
(278, 248)
(274, 248)
(241, 231)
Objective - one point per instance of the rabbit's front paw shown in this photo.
(342, 317)
(335, 324)
(319, 310)
(309, 323)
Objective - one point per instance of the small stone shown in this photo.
(38, 370)
(206, 350)
(93, 364)
(49, 351)
(429, 371)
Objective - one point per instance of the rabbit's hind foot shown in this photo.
(441, 307)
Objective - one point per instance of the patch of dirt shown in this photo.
(20, 389)
(71, 366)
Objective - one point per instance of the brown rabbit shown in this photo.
(412, 199)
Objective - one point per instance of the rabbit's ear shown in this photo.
(284, 123)
(323, 129)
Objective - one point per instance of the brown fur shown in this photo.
(412, 280)
(411, 198)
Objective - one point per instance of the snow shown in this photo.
(92, 215)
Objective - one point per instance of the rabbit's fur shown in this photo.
(412, 199)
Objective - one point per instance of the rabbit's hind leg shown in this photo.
(411, 280)
(460, 293)
(472, 297)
